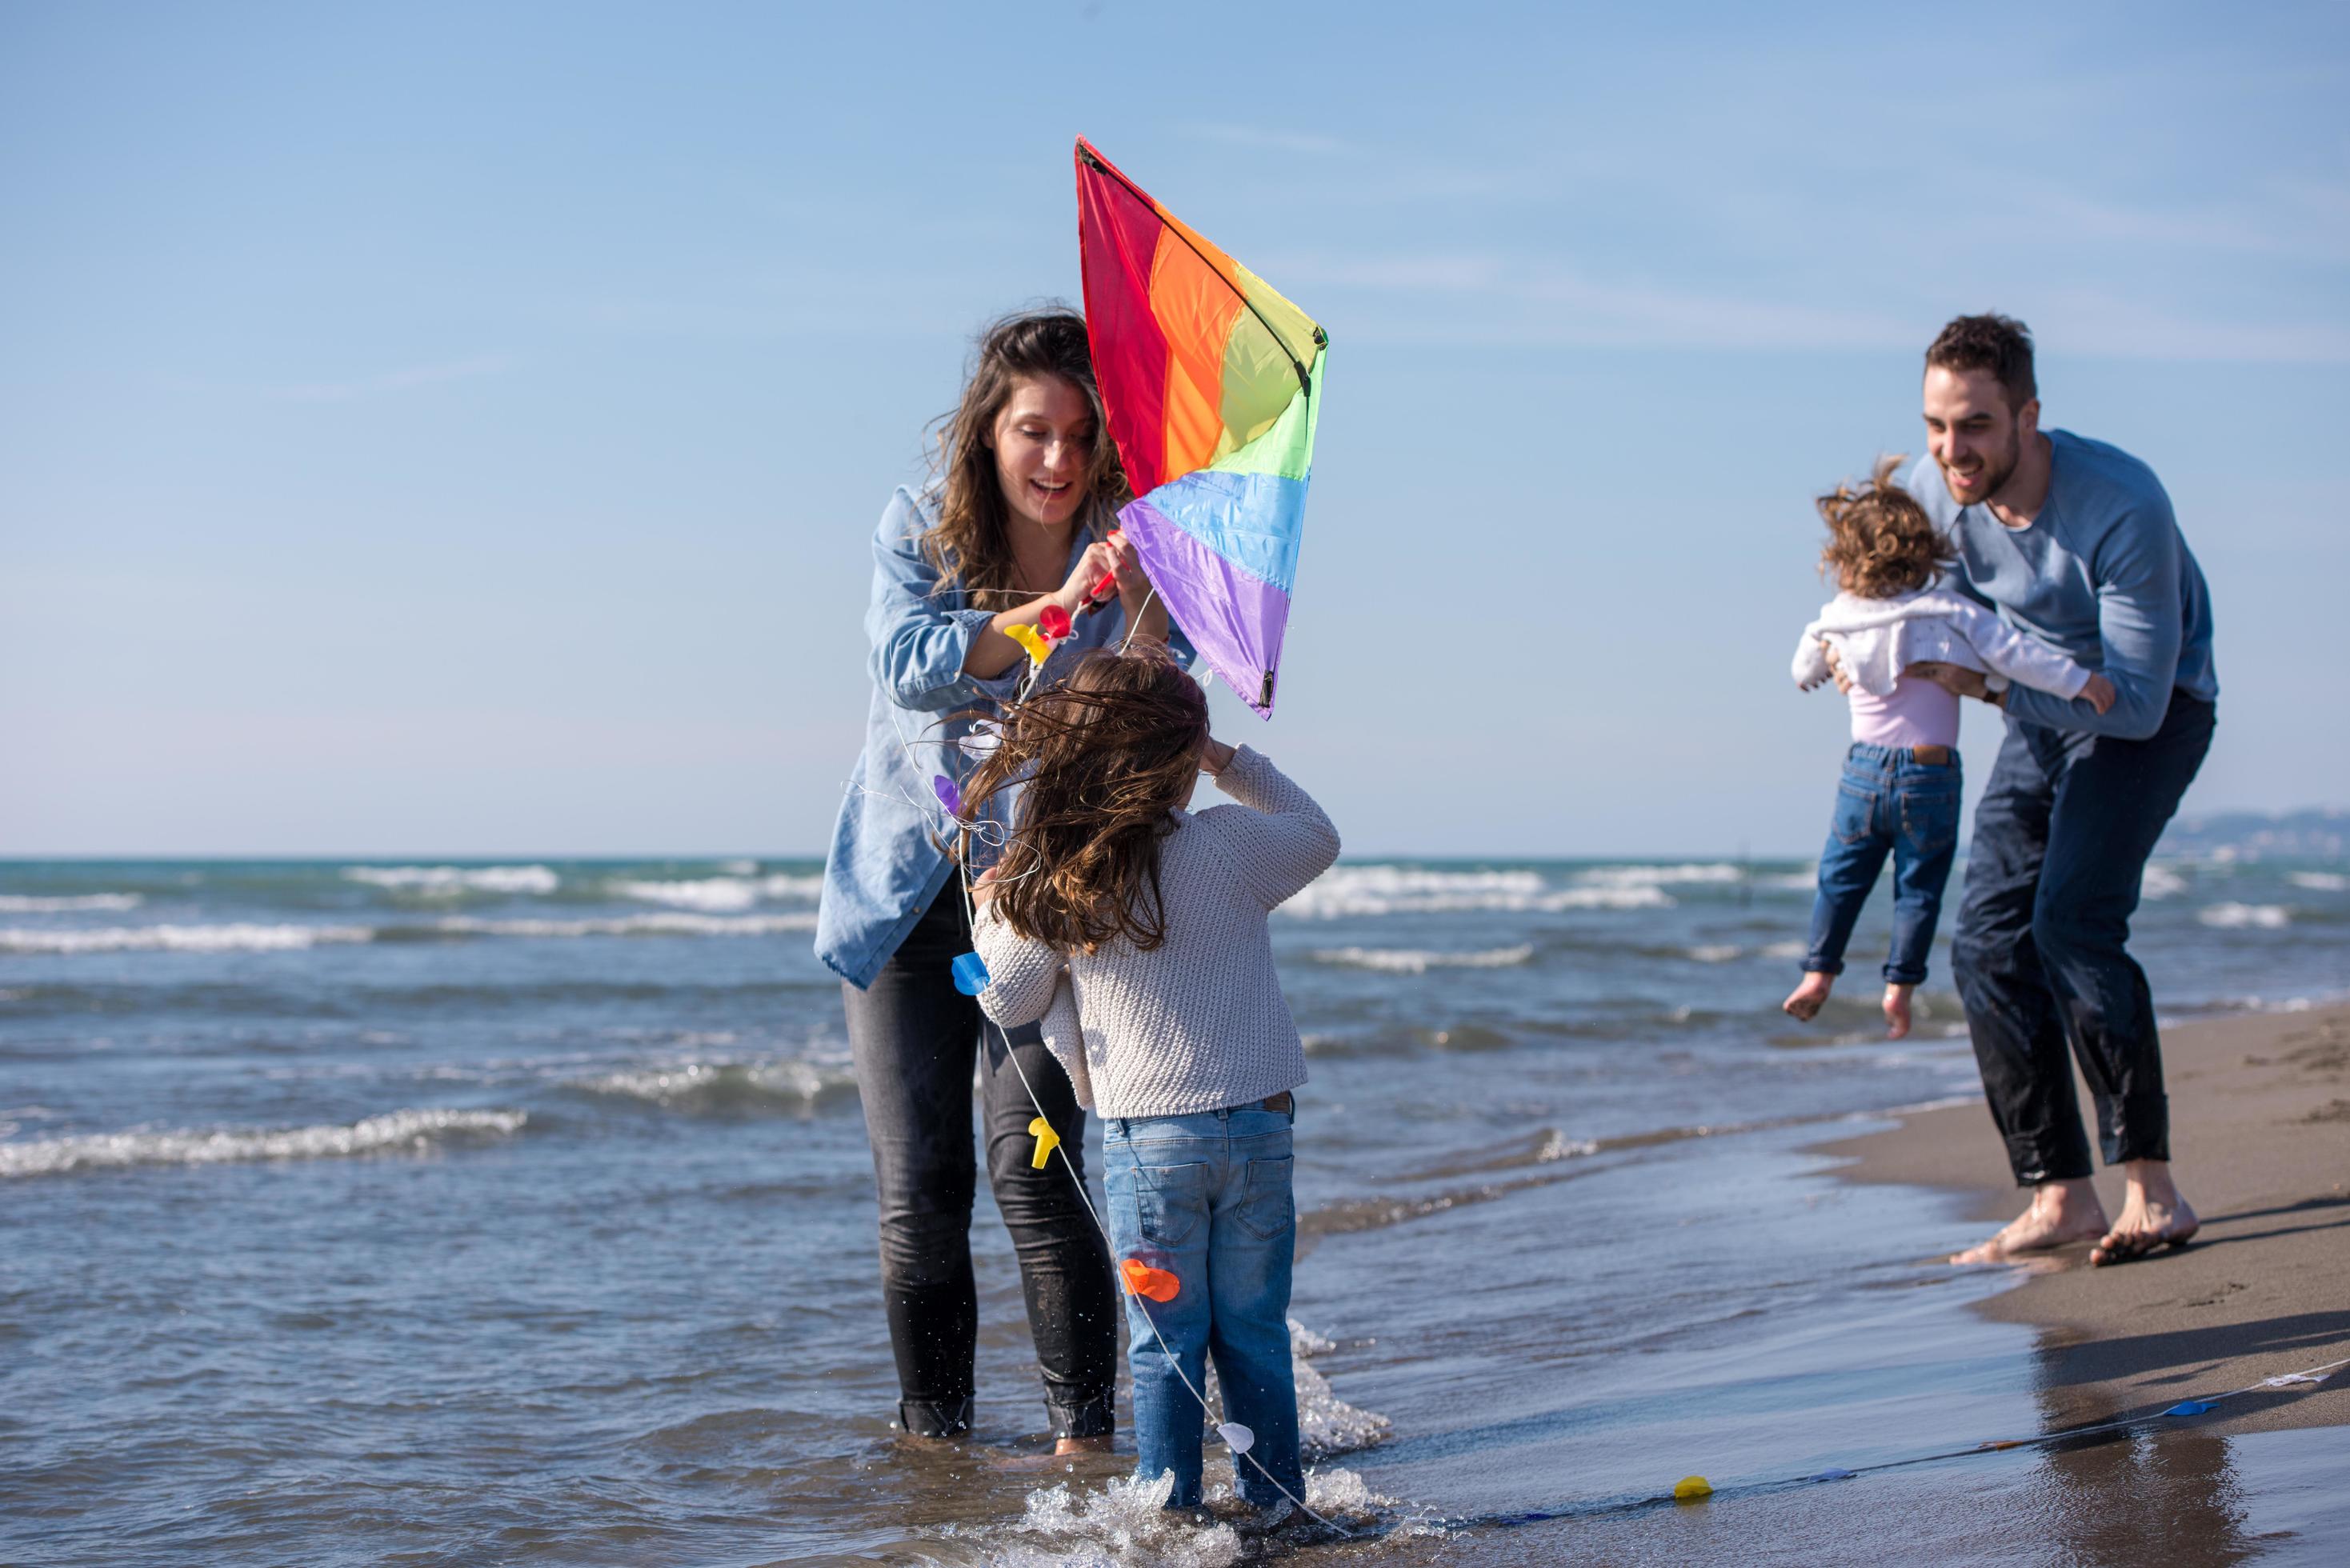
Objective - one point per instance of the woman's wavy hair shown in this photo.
(969, 545)
(1101, 759)
(1880, 543)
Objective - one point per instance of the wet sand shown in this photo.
(2260, 1144)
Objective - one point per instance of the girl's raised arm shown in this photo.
(1281, 840)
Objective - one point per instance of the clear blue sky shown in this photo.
(456, 429)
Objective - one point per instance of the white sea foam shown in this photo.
(1716, 952)
(668, 923)
(2316, 881)
(1417, 961)
(1122, 1524)
(177, 938)
(1659, 876)
(2159, 881)
(709, 1086)
(1783, 950)
(36, 904)
(449, 881)
(720, 895)
(411, 1131)
(2239, 917)
(1396, 890)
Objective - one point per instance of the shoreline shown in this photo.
(2260, 1109)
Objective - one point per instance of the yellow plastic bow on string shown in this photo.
(1029, 637)
(1047, 1140)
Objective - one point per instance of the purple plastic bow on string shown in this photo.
(950, 795)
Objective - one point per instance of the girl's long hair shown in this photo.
(1101, 759)
(969, 545)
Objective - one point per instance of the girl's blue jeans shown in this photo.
(1207, 1197)
(1886, 804)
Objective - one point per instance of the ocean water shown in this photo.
(358, 1213)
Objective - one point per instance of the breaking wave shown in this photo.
(231, 939)
(1396, 890)
(36, 904)
(448, 881)
(2241, 917)
(2159, 881)
(1417, 961)
(668, 923)
(398, 1131)
(720, 895)
(1667, 876)
(2316, 881)
(722, 1088)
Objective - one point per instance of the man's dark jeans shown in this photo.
(2061, 837)
(1888, 803)
(914, 1037)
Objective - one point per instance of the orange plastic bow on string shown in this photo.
(1142, 1279)
(1027, 636)
(1047, 1140)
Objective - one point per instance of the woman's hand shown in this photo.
(2099, 694)
(1214, 757)
(1100, 560)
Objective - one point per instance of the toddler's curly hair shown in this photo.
(1880, 543)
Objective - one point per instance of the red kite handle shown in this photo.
(1099, 595)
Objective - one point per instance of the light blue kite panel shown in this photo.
(1252, 520)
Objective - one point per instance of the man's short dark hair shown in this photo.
(2000, 344)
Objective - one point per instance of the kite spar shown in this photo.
(1213, 382)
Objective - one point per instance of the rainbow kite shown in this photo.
(1213, 383)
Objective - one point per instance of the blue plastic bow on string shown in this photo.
(969, 973)
(2190, 1408)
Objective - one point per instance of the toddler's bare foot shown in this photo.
(2061, 1212)
(1897, 1011)
(1805, 1001)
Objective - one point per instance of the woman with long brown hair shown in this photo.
(1013, 530)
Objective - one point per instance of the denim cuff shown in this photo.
(1895, 975)
(935, 1417)
(1823, 966)
(1096, 1417)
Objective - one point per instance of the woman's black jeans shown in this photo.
(914, 1037)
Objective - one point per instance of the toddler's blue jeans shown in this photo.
(1207, 1198)
(1888, 803)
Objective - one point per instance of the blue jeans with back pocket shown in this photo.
(1207, 1198)
(1886, 804)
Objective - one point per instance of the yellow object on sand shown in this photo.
(1047, 1140)
(1690, 1488)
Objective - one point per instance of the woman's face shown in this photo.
(1044, 441)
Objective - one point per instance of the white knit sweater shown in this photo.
(1198, 1023)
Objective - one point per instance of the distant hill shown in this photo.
(2317, 833)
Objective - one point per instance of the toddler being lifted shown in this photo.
(1899, 791)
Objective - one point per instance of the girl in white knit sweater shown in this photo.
(1134, 930)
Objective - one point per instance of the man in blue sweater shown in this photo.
(2073, 540)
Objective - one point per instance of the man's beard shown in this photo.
(1992, 480)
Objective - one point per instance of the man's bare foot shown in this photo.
(1896, 1011)
(1099, 1444)
(1805, 1002)
(2061, 1212)
(2154, 1216)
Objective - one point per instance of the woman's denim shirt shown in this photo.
(885, 865)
